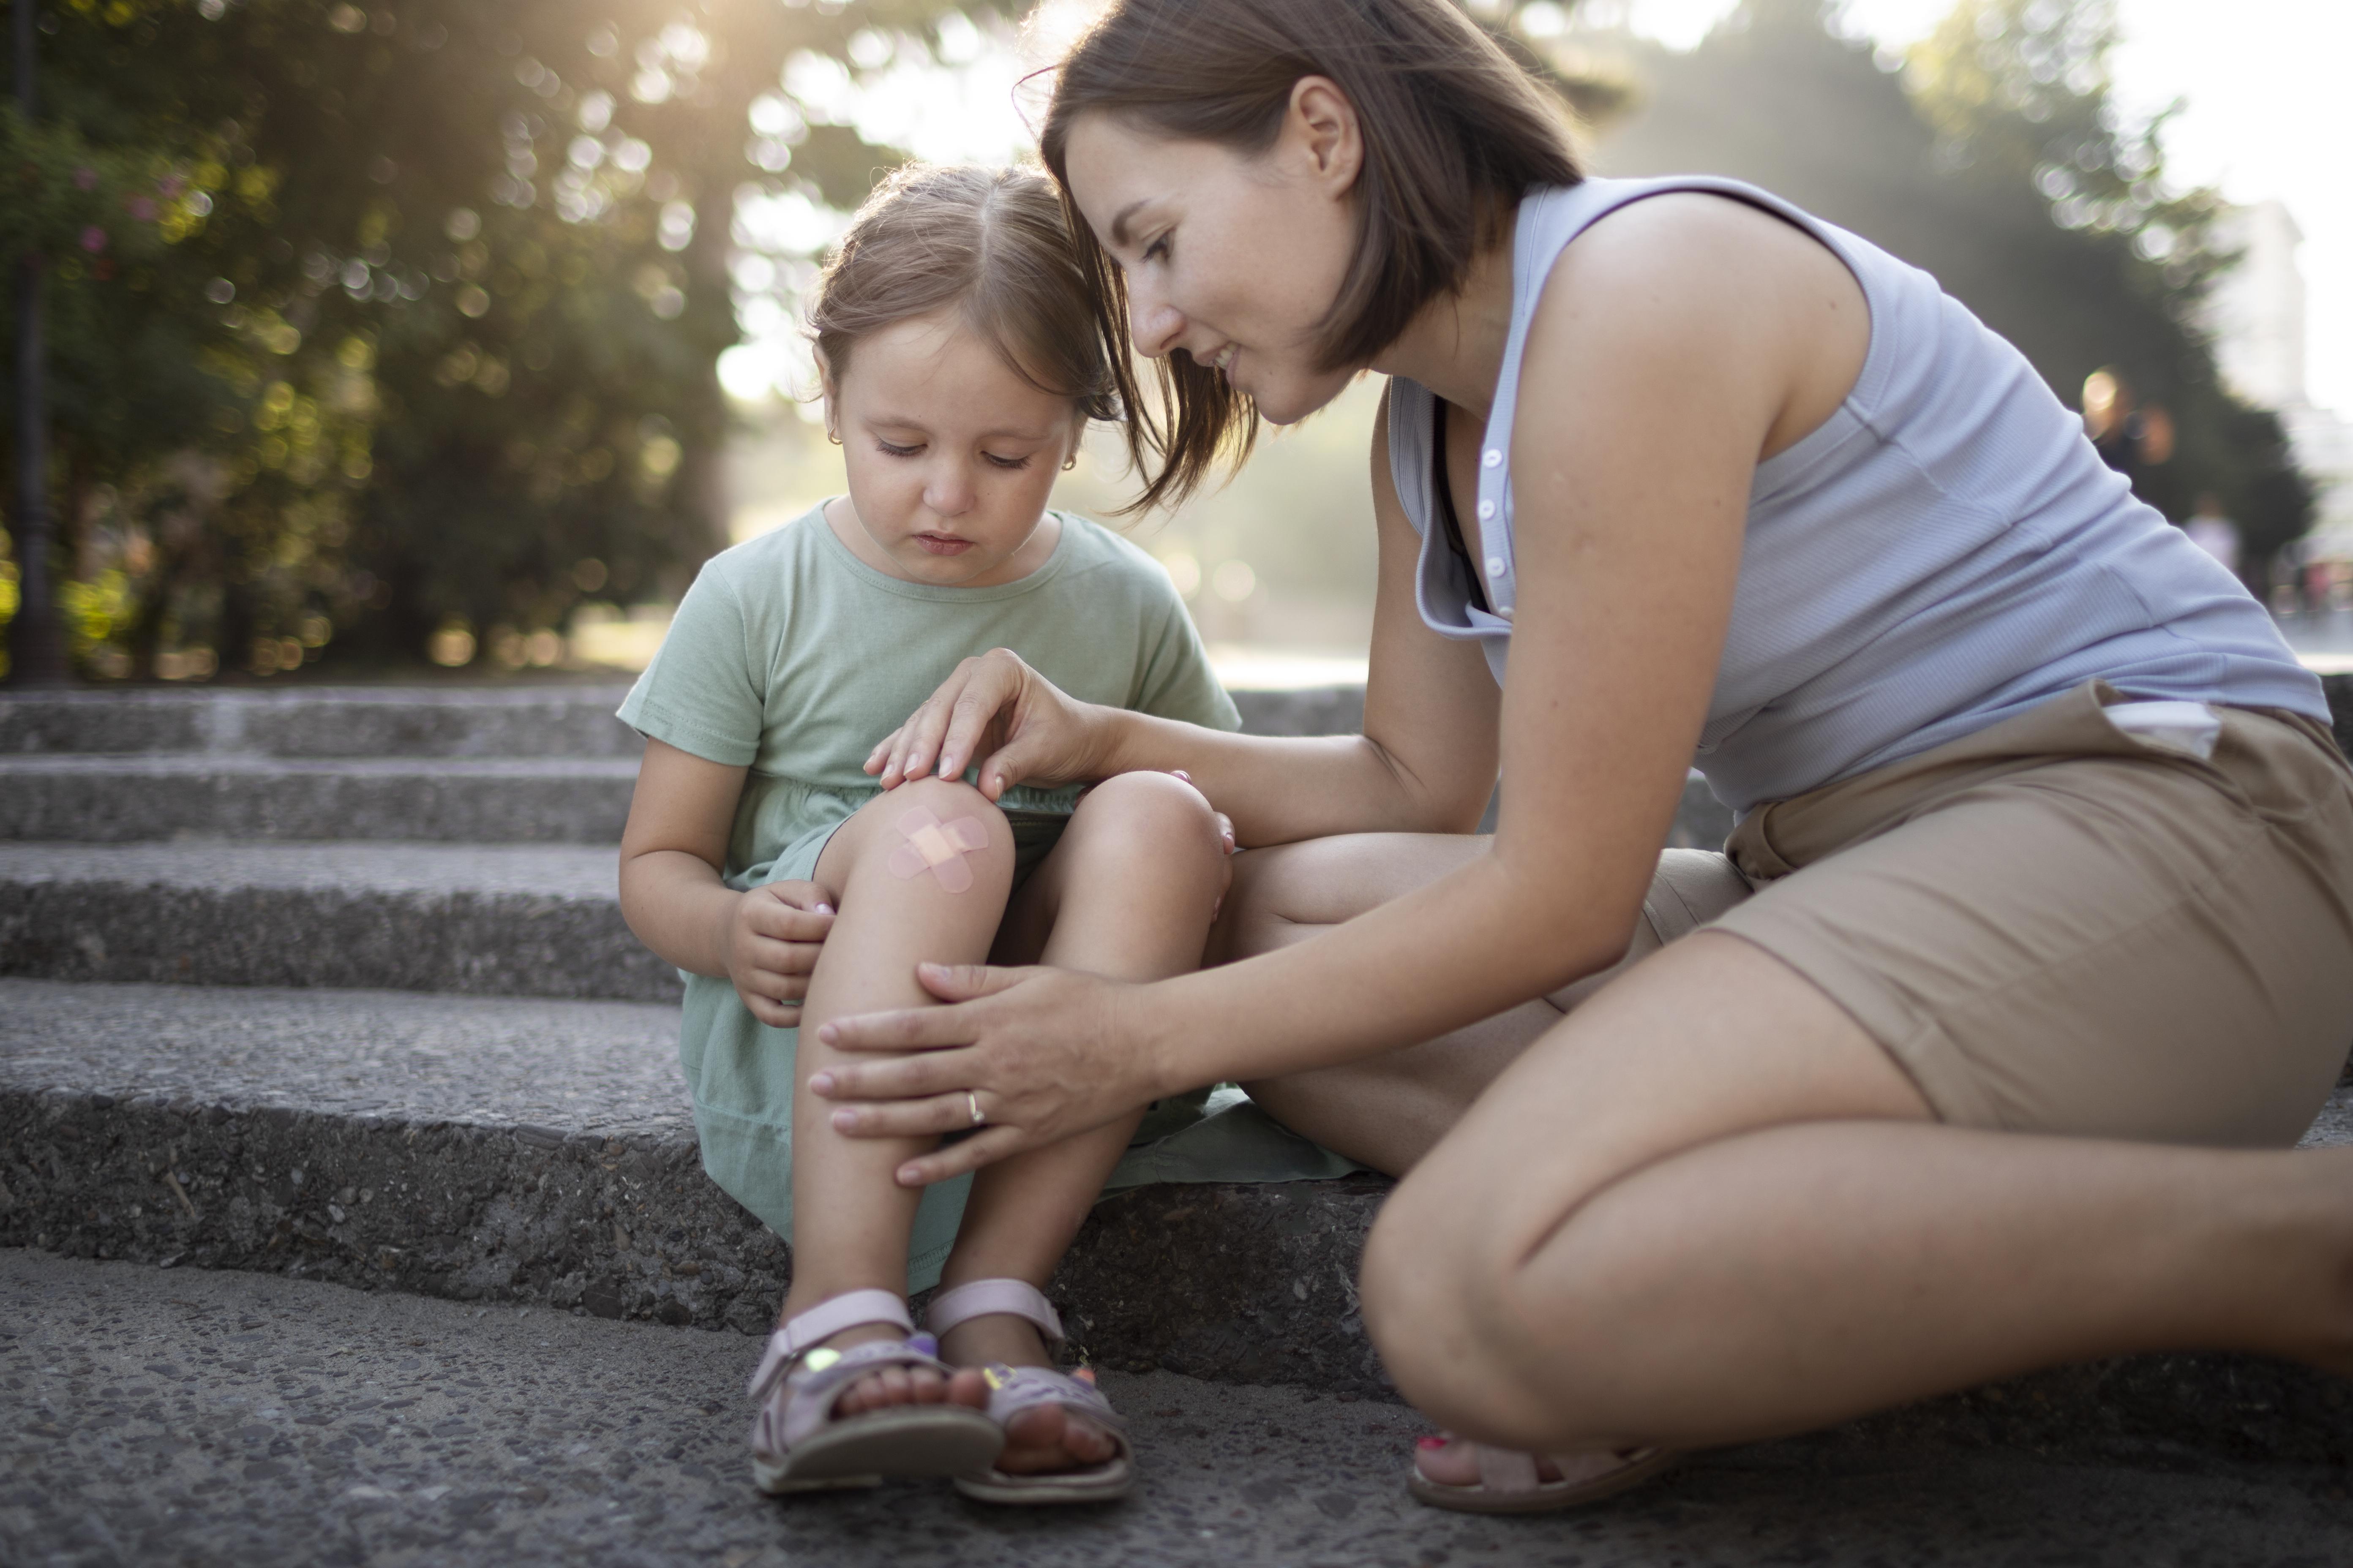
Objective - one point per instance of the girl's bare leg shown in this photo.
(1707, 1207)
(851, 1218)
(1128, 893)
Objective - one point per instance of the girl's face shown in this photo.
(951, 454)
(1233, 258)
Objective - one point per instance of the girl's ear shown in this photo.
(831, 397)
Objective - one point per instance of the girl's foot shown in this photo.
(810, 1435)
(1062, 1441)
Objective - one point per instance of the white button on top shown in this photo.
(1495, 566)
(1493, 459)
(1486, 510)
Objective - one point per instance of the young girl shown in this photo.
(960, 364)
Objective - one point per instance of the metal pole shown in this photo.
(36, 654)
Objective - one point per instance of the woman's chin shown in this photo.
(1289, 401)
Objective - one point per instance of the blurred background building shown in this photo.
(390, 339)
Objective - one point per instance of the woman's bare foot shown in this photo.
(1044, 1439)
(1452, 1462)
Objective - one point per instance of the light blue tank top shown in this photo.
(1947, 551)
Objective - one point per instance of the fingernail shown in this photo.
(828, 909)
(828, 1033)
(821, 1083)
(909, 1176)
(843, 1121)
(1427, 1444)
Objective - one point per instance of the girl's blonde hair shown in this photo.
(992, 243)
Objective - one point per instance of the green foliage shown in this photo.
(1993, 157)
(423, 328)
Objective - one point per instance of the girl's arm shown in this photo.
(1679, 341)
(673, 852)
(1425, 764)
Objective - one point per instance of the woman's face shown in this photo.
(1232, 258)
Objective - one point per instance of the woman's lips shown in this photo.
(944, 544)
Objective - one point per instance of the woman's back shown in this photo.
(1945, 552)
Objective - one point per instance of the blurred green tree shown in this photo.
(400, 325)
(1994, 156)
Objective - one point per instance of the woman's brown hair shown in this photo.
(1453, 131)
(995, 243)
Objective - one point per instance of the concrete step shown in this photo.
(476, 920)
(527, 721)
(475, 800)
(541, 1153)
(174, 1417)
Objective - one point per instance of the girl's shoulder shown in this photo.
(1105, 553)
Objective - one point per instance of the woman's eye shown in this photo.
(996, 461)
(883, 446)
(1158, 249)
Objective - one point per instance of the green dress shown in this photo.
(792, 657)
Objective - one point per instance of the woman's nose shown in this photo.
(1152, 323)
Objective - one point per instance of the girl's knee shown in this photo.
(950, 804)
(1156, 809)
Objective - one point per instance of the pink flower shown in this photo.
(86, 179)
(94, 239)
(141, 208)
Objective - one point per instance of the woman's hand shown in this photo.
(998, 708)
(1045, 1052)
(774, 934)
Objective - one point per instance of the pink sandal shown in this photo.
(1013, 1389)
(797, 1445)
(1508, 1483)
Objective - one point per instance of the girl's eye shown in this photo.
(1158, 249)
(895, 451)
(996, 461)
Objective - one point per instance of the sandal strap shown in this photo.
(985, 1298)
(1506, 1469)
(1013, 1389)
(808, 1395)
(849, 1310)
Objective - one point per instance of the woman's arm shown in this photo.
(1425, 764)
(672, 852)
(1669, 350)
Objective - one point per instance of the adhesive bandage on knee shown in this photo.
(938, 847)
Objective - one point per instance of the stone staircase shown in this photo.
(333, 983)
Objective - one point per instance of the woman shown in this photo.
(2041, 830)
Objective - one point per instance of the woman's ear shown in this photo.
(1320, 131)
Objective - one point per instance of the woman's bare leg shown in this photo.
(1128, 893)
(851, 1219)
(1707, 1207)
(1388, 1111)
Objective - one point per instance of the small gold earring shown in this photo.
(1070, 462)
(832, 437)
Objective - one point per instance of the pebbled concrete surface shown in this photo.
(169, 1417)
(476, 919)
(522, 719)
(518, 800)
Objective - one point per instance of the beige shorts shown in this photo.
(2054, 926)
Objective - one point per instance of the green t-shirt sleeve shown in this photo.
(1177, 680)
(704, 693)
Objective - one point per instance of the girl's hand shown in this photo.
(996, 708)
(1047, 1053)
(774, 934)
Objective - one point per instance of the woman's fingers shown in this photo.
(904, 1118)
(992, 686)
(966, 982)
(983, 1148)
(917, 1029)
(937, 1072)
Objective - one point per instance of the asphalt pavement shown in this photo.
(153, 1416)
